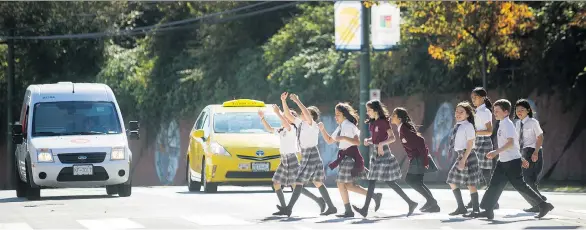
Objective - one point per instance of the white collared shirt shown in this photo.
(399, 128)
(507, 130)
(288, 141)
(347, 130)
(531, 130)
(309, 133)
(483, 116)
(465, 133)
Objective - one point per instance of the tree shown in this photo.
(458, 30)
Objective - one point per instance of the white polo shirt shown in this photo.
(531, 130)
(483, 116)
(507, 130)
(309, 133)
(346, 129)
(465, 133)
(288, 141)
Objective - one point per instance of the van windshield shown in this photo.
(75, 118)
(243, 122)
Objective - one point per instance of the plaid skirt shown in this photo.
(483, 146)
(385, 167)
(311, 168)
(345, 171)
(287, 170)
(470, 175)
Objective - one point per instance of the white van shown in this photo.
(72, 135)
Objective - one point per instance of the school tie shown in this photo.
(453, 137)
(521, 135)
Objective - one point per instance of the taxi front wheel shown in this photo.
(207, 186)
(193, 186)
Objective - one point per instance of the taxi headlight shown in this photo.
(44, 155)
(117, 153)
(217, 149)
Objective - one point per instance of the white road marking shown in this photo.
(210, 220)
(110, 223)
(15, 226)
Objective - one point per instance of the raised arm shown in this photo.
(286, 110)
(284, 121)
(264, 122)
(306, 116)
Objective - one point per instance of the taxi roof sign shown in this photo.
(243, 103)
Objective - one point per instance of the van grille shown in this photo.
(74, 158)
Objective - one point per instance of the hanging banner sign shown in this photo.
(348, 25)
(386, 26)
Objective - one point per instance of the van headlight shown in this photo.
(44, 156)
(217, 149)
(118, 153)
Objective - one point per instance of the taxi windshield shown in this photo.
(243, 122)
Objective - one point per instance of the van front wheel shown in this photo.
(111, 189)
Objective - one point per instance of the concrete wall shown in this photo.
(161, 161)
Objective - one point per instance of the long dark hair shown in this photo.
(379, 108)
(348, 112)
(405, 118)
(469, 110)
(524, 103)
(482, 92)
(314, 111)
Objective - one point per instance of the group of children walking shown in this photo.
(475, 164)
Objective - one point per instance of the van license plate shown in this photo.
(261, 166)
(83, 170)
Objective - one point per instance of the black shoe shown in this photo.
(459, 211)
(473, 214)
(488, 214)
(412, 207)
(283, 211)
(377, 198)
(362, 211)
(432, 208)
(347, 214)
(322, 205)
(331, 210)
(544, 208)
(496, 206)
(534, 209)
(425, 206)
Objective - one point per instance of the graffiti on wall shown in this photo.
(167, 152)
(442, 126)
(328, 152)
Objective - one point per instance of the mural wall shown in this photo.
(161, 159)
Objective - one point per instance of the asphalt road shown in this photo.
(251, 208)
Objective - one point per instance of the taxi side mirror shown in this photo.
(17, 137)
(197, 133)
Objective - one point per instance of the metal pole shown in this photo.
(364, 80)
(10, 84)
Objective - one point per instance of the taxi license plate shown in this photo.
(83, 170)
(261, 166)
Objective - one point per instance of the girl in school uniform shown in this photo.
(530, 142)
(287, 169)
(484, 130)
(349, 159)
(420, 162)
(466, 170)
(383, 164)
(311, 168)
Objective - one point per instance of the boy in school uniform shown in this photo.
(508, 168)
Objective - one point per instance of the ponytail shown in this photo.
(488, 103)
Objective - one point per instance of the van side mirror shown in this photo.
(133, 128)
(17, 137)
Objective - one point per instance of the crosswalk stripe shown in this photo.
(210, 220)
(110, 223)
(15, 226)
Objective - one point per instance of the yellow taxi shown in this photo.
(228, 145)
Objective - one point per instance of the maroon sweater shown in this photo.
(414, 144)
(353, 152)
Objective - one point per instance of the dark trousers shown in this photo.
(510, 171)
(531, 174)
(416, 182)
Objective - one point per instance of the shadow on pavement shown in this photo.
(553, 227)
(76, 197)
